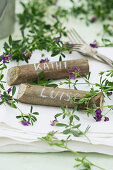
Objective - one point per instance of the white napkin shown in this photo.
(15, 137)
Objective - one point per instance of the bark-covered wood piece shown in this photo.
(52, 70)
(49, 96)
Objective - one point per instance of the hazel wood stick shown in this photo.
(49, 96)
(52, 70)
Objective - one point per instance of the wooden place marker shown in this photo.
(52, 70)
(49, 96)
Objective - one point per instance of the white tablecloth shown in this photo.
(14, 137)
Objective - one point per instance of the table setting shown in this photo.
(55, 96)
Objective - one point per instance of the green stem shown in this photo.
(76, 153)
(20, 111)
(82, 156)
(85, 136)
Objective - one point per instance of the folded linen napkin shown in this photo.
(15, 137)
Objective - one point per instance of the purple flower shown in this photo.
(106, 119)
(55, 2)
(9, 90)
(6, 101)
(44, 60)
(5, 59)
(1, 95)
(72, 76)
(53, 122)
(94, 44)
(77, 69)
(23, 54)
(110, 93)
(27, 54)
(98, 116)
(10, 55)
(28, 57)
(93, 19)
(57, 40)
(98, 111)
(25, 123)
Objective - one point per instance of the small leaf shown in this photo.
(34, 119)
(77, 126)
(35, 113)
(59, 114)
(1, 77)
(76, 117)
(75, 108)
(66, 131)
(60, 58)
(71, 119)
(75, 133)
(6, 46)
(13, 105)
(26, 116)
(63, 55)
(87, 128)
(41, 76)
(13, 90)
(55, 53)
(8, 103)
(62, 107)
(77, 165)
(18, 117)
(68, 137)
(32, 83)
(10, 40)
(61, 124)
(52, 85)
(31, 109)
(64, 116)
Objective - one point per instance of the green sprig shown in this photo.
(30, 117)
